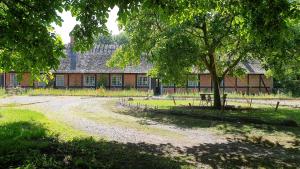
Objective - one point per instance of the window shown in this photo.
(41, 84)
(142, 81)
(169, 84)
(60, 80)
(89, 80)
(13, 80)
(116, 80)
(193, 82)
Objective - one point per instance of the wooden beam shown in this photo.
(4, 81)
(199, 83)
(109, 82)
(136, 81)
(187, 83)
(236, 80)
(68, 82)
(224, 85)
(95, 74)
(82, 80)
(54, 85)
(259, 83)
(174, 88)
(211, 84)
(248, 84)
(123, 80)
(265, 86)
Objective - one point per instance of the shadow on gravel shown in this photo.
(231, 122)
(27, 145)
(24, 144)
(234, 154)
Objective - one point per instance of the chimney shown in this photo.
(72, 54)
(71, 39)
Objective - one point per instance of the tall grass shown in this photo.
(88, 92)
(2, 92)
(238, 95)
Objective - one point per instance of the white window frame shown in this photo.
(89, 80)
(41, 84)
(193, 83)
(116, 80)
(142, 81)
(59, 80)
(14, 80)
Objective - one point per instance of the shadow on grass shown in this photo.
(24, 144)
(231, 121)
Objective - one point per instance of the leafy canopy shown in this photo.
(27, 41)
(185, 33)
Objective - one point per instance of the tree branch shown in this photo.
(231, 67)
(218, 41)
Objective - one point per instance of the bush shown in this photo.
(289, 123)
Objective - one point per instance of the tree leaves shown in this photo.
(27, 43)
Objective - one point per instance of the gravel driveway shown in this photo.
(72, 110)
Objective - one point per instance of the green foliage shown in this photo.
(27, 41)
(190, 36)
(28, 142)
(119, 39)
(261, 113)
(2, 92)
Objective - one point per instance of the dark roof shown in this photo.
(94, 61)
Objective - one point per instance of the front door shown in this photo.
(156, 86)
(1, 80)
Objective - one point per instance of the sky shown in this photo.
(69, 22)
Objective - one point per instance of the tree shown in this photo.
(121, 38)
(181, 36)
(27, 41)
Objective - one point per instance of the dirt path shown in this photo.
(96, 116)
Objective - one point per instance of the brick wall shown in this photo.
(229, 81)
(129, 81)
(205, 80)
(75, 80)
(26, 80)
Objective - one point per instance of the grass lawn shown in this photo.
(87, 92)
(2, 92)
(239, 95)
(259, 121)
(263, 112)
(29, 140)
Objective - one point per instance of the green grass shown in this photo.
(12, 115)
(246, 139)
(87, 92)
(2, 92)
(114, 119)
(263, 112)
(239, 95)
(29, 140)
(259, 121)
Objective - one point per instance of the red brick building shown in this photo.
(89, 70)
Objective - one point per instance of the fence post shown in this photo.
(174, 101)
(277, 105)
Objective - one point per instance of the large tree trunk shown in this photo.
(217, 96)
